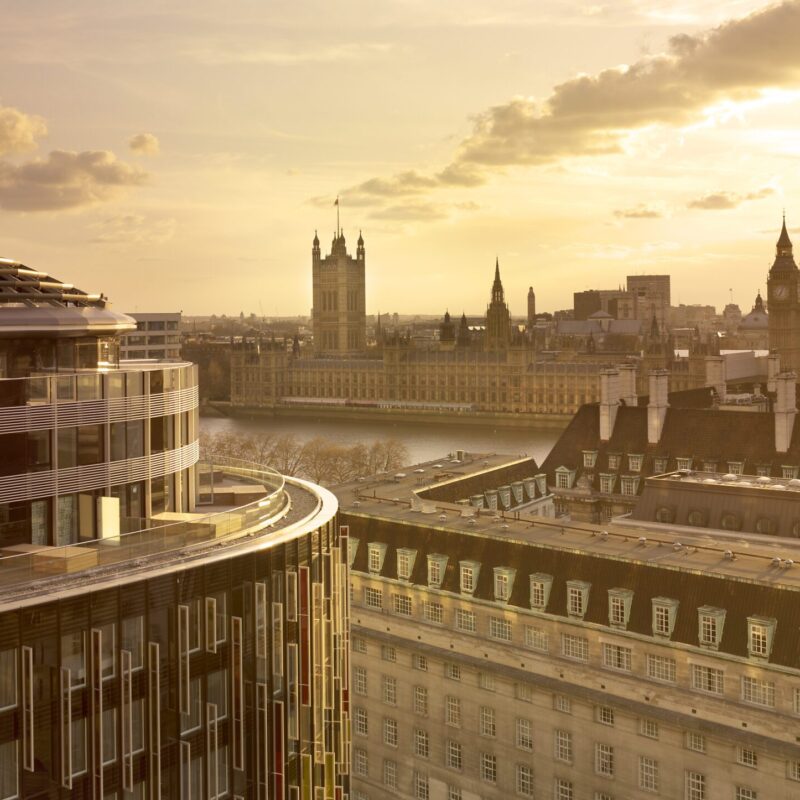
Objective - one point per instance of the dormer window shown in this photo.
(405, 563)
(788, 472)
(565, 478)
(577, 598)
(764, 470)
(607, 482)
(468, 576)
(619, 607)
(503, 583)
(760, 633)
(541, 584)
(436, 568)
(635, 463)
(736, 467)
(630, 485)
(589, 458)
(684, 463)
(665, 612)
(613, 461)
(660, 465)
(710, 622)
(541, 483)
(709, 466)
(352, 549)
(376, 552)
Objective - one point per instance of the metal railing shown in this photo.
(160, 539)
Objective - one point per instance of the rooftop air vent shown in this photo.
(642, 540)
(677, 546)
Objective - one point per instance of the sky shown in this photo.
(180, 155)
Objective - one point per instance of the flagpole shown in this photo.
(338, 228)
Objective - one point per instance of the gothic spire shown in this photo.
(784, 242)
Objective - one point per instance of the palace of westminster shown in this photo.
(545, 366)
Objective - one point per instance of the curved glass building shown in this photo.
(169, 628)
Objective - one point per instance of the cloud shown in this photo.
(145, 144)
(638, 212)
(66, 180)
(19, 131)
(411, 212)
(720, 201)
(132, 229)
(345, 52)
(593, 115)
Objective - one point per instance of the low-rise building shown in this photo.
(157, 335)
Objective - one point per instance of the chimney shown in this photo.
(609, 402)
(658, 404)
(627, 384)
(773, 368)
(716, 377)
(785, 409)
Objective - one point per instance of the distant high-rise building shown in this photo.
(783, 285)
(157, 335)
(531, 307)
(651, 295)
(498, 319)
(339, 318)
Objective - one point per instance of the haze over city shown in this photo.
(579, 142)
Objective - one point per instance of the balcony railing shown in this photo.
(161, 539)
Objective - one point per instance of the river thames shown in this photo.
(424, 442)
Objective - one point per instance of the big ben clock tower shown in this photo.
(783, 287)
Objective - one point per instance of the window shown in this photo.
(604, 715)
(453, 754)
(630, 485)
(564, 478)
(503, 583)
(359, 645)
(434, 612)
(419, 662)
(744, 793)
(422, 747)
(661, 668)
(695, 786)
(763, 470)
(421, 701)
(604, 759)
(437, 564)
(695, 741)
(132, 639)
(9, 770)
(390, 773)
(617, 657)
(8, 678)
(487, 723)
(648, 728)
(486, 681)
(796, 701)
(376, 552)
(710, 622)
(468, 572)
(524, 734)
(421, 791)
(660, 465)
(388, 653)
(536, 639)
(402, 605)
(500, 628)
(760, 632)
(758, 692)
(389, 690)
(747, 757)
(405, 563)
(360, 680)
(524, 780)
(589, 458)
(684, 463)
(619, 607)
(540, 586)
(708, 679)
(613, 461)
(523, 692)
(390, 732)
(736, 467)
(360, 765)
(453, 793)
(635, 463)
(607, 481)
(665, 611)
(373, 598)
(648, 774)
(563, 746)
(577, 598)
(575, 647)
(452, 711)
(793, 770)
(488, 768)
(360, 721)
(452, 671)
(465, 620)
(563, 790)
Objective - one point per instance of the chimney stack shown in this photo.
(609, 402)
(658, 404)
(716, 376)
(785, 409)
(627, 384)
(773, 368)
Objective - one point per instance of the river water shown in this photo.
(424, 442)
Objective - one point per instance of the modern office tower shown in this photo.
(169, 628)
(499, 655)
(157, 335)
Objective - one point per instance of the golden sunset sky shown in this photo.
(180, 155)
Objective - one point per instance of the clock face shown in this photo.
(780, 292)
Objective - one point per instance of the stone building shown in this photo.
(783, 291)
(499, 655)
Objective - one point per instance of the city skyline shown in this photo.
(143, 145)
